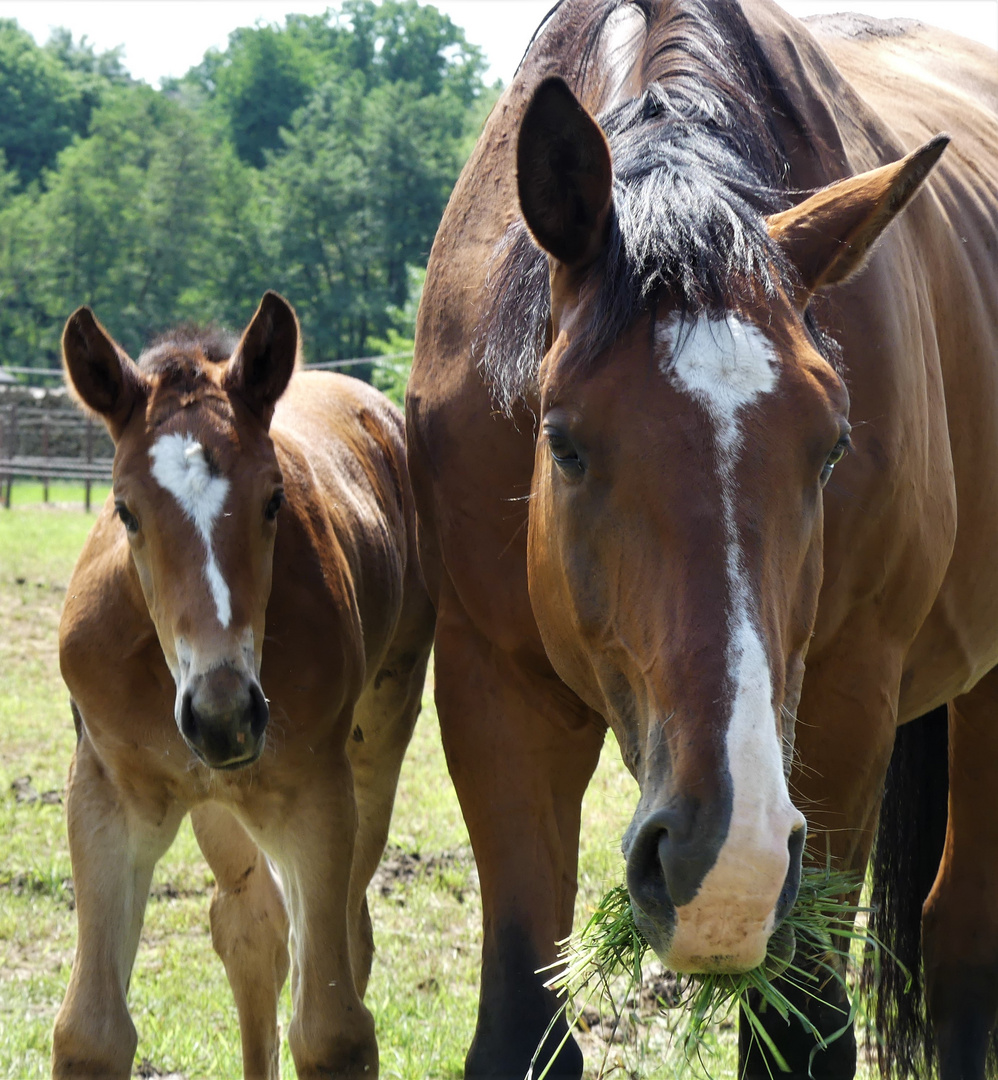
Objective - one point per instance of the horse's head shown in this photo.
(198, 488)
(675, 533)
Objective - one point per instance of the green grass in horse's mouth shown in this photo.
(821, 925)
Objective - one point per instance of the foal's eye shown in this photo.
(128, 519)
(277, 500)
(837, 454)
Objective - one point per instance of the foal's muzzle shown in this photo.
(223, 718)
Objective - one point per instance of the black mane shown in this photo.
(696, 166)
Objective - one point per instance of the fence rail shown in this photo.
(52, 442)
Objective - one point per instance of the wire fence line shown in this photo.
(387, 360)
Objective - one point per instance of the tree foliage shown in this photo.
(313, 157)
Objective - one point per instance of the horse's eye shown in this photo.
(837, 454)
(128, 519)
(563, 451)
(277, 500)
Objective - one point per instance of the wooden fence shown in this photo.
(51, 441)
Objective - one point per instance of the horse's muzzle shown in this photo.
(223, 718)
(668, 862)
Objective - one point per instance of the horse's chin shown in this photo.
(779, 953)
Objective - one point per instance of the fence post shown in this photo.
(45, 457)
(3, 445)
(12, 451)
(90, 458)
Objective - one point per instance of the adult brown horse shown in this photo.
(621, 417)
(245, 638)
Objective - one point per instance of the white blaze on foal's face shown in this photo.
(725, 366)
(180, 467)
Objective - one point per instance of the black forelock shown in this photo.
(696, 167)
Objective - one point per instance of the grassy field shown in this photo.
(424, 900)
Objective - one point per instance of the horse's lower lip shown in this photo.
(232, 764)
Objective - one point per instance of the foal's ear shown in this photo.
(265, 358)
(564, 174)
(829, 236)
(99, 371)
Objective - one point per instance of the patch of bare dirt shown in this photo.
(25, 793)
(605, 1024)
(400, 868)
(166, 890)
(147, 1071)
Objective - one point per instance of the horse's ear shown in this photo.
(564, 174)
(829, 236)
(99, 372)
(265, 359)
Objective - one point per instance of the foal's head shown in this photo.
(688, 423)
(197, 488)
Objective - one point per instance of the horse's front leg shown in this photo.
(249, 929)
(312, 843)
(521, 750)
(115, 840)
(960, 917)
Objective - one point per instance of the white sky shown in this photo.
(166, 37)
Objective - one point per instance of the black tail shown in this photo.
(906, 858)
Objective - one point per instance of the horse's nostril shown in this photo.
(791, 886)
(653, 866)
(188, 722)
(259, 711)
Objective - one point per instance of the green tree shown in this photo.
(366, 168)
(40, 104)
(47, 95)
(23, 315)
(313, 157)
(148, 220)
(264, 78)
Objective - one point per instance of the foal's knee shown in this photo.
(249, 929)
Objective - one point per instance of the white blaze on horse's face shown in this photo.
(621, 43)
(180, 467)
(726, 366)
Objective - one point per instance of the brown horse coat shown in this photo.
(167, 638)
(907, 616)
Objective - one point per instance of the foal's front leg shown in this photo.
(331, 1032)
(114, 844)
(249, 929)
